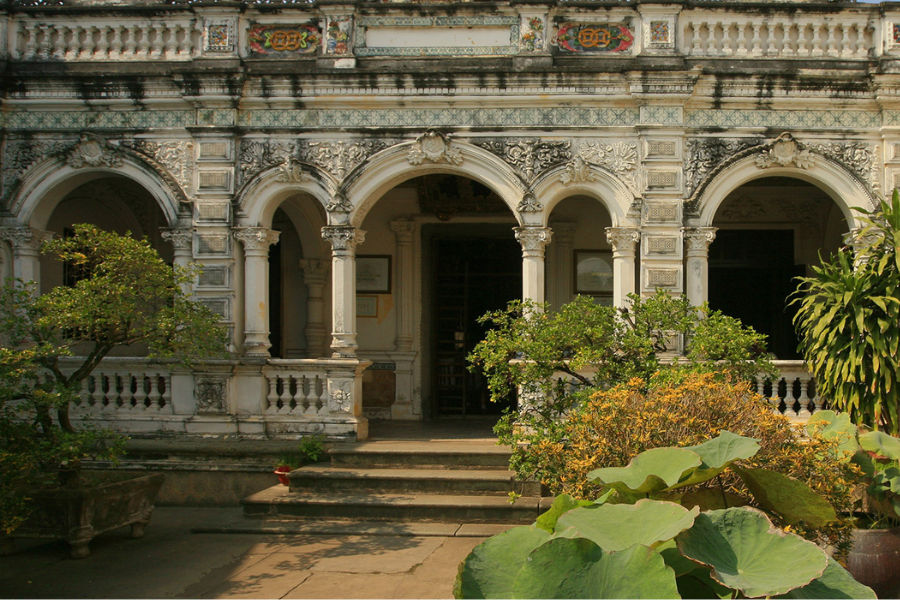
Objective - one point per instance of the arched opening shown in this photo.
(770, 231)
(579, 258)
(464, 261)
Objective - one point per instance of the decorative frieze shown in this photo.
(338, 35)
(218, 35)
(661, 212)
(658, 179)
(336, 158)
(214, 151)
(282, 40)
(592, 37)
(529, 157)
(660, 149)
(533, 33)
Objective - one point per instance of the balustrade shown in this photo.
(126, 388)
(794, 394)
(296, 389)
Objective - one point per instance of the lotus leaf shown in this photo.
(748, 553)
(793, 500)
(718, 453)
(491, 568)
(650, 471)
(881, 443)
(835, 582)
(579, 568)
(711, 499)
(561, 504)
(615, 527)
(700, 584)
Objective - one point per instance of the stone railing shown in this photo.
(794, 394)
(297, 388)
(121, 40)
(718, 34)
(126, 387)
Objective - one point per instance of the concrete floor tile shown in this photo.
(378, 554)
(272, 577)
(344, 585)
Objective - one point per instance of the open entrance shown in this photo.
(770, 231)
(476, 269)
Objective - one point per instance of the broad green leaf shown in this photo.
(579, 568)
(835, 582)
(700, 584)
(711, 499)
(491, 568)
(881, 443)
(676, 561)
(617, 526)
(831, 425)
(717, 454)
(748, 553)
(650, 471)
(793, 500)
(561, 504)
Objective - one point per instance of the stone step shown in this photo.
(279, 502)
(489, 482)
(420, 455)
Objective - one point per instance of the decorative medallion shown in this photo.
(219, 36)
(529, 204)
(283, 40)
(785, 152)
(593, 37)
(210, 392)
(433, 146)
(339, 204)
(340, 398)
(92, 151)
(659, 32)
(577, 171)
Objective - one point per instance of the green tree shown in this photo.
(849, 323)
(127, 295)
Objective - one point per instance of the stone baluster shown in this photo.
(817, 49)
(87, 46)
(832, 37)
(115, 45)
(534, 240)
(143, 46)
(315, 275)
(102, 50)
(171, 46)
(59, 44)
(804, 413)
(624, 244)
(256, 242)
(757, 50)
(130, 35)
(156, 47)
(741, 39)
(26, 246)
(772, 39)
(29, 37)
(343, 239)
(696, 49)
(697, 241)
(802, 43)
(403, 291)
(74, 45)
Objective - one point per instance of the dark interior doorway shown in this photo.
(751, 275)
(471, 276)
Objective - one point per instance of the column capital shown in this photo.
(623, 239)
(256, 238)
(404, 230)
(343, 238)
(698, 239)
(24, 239)
(315, 271)
(180, 238)
(533, 239)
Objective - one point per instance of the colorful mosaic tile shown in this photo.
(98, 120)
(283, 40)
(667, 115)
(892, 118)
(338, 35)
(219, 37)
(221, 117)
(659, 32)
(896, 33)
(533, 34)
(593, 37)
(788, 119)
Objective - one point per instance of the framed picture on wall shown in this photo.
(373, 274)
(594, 272)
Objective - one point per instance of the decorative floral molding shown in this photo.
(336, 158)
(433, 146)
(785, 151)
(529, 204)
(577, 171)
(703, 155)
(340, 397)
(210, 392)
(619, 158)
(176, 157)
(529, 157)
(339, 204)
(92, 151)
(291, 171)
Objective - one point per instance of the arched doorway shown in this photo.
(770, 231)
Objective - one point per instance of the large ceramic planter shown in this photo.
(875, 560)
(79, 514)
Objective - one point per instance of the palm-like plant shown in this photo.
(849, 322)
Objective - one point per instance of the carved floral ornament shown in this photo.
(92, 151)
(291, 171)
(785, 151)
(434, 147)
(529, 204)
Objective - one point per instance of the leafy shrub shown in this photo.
(310, 450)
(611, 427)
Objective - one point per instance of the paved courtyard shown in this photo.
(172, 562)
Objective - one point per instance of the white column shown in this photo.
(26, 246)
(562, 283)
(697, 241)
(315, 275)
(182, 242)
(404, 229)
(534, 240)
(343, 240)
(623, 241)
(256, 241)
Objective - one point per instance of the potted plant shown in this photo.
(124, 294)
(311, 449)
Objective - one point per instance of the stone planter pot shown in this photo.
(874, 560)
(282, 473)
(79, 514)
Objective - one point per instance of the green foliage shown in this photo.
(127, 295)
(639, 546)
(310, 450)
(874, 458)
(849, 323)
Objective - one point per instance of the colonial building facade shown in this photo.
(360, 181)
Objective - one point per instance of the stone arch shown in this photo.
(260, 197)
(836, 180)
(49, 182)
(553, 187)
(399, 163)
